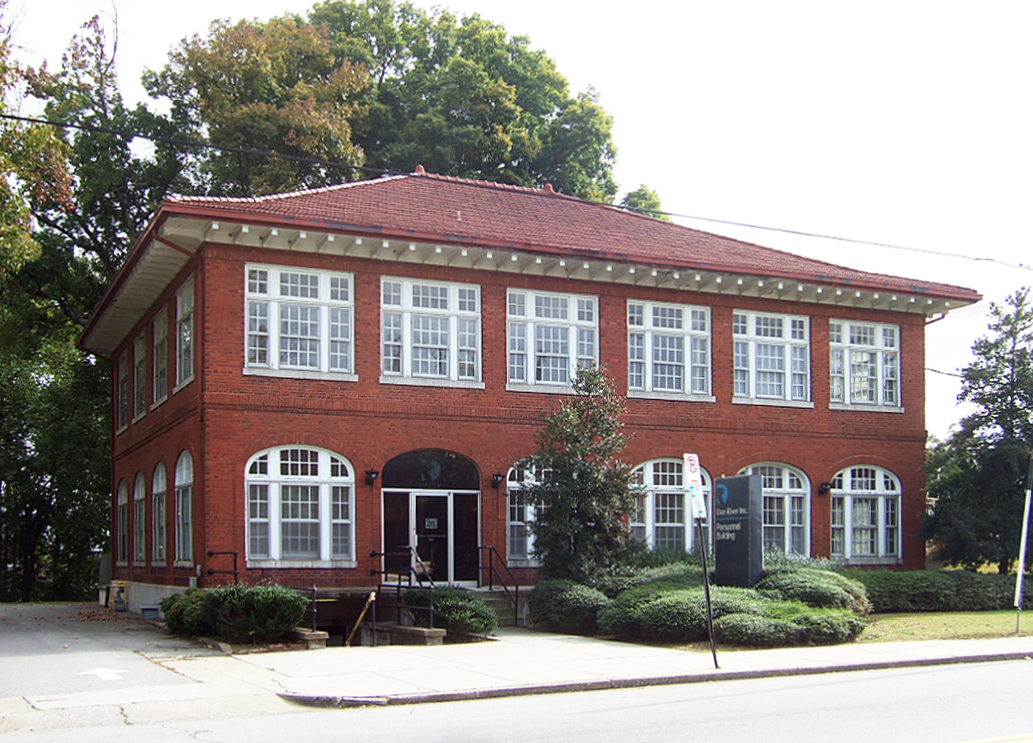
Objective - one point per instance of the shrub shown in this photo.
(754, 630)
(671, 575)
(662, 614)
(565, 606)
(938, 590)
(253, 614)
(459, 612)
(183, 615)
(817, 588)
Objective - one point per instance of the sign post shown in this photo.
(698, 511)
(1021, 569)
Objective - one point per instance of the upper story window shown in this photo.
(864, 364)
(865, 514)
(298, 321)
(550, 336)
(663, 515)
(122, 393)
(430, 331)
(300, 506)
(771, 357)
(185, 333)
(160, 366)
(139, 376)
(668, 348)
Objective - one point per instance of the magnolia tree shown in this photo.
(583, 493)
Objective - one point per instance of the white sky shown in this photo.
(898, 122)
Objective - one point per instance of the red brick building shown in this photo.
(307, 378)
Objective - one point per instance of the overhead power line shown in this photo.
(382, 172)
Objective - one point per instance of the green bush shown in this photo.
(905, 591)
(461, 613)
(565, 606)
(756, 631)
(672, 575)
(253, 614)
(183, 614)
(817, 588)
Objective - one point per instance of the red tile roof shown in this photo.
(448, 210)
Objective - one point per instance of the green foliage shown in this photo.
(564, 606)
(645, 201)
(671, 575)
(820, 588)
(459, 612)
(892, 592)
(239, 613)
(976, 479)
(183, 613)
(585, 491)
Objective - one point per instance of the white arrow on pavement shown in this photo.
(104, 674)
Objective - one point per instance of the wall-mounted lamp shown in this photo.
(497, 480)
(371, 476)
(824, 488)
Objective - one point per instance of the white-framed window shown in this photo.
(430, 332)
(122, 393)
(184, 508)
(786, 505)
(662, 518)
(865, 514)
(521, 513)
(122, 523)
(299, 321)
(159, 487)
(668, 348)
(864, 364)
(550, 336)
(139, 519)
(139, 376)
(160, 366)
(300, 506)
(771, 357)
(185, 333)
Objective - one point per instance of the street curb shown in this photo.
(342, 702)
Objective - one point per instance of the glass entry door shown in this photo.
(443, 526)
(432, 530)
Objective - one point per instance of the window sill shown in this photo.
(157, 403)
(866, 561)
(183, 564)
(865, 408)
(182, 385)
(137, 418)
(122, 429)
(674, 396)
(427, 382)
(547, 389)
(522, 562)
(254, 371)
(262, 562)
(772, 403)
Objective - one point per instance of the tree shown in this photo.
(977, 477)
(644, 200)
(462, 97)
(275, 87)
(583, 492)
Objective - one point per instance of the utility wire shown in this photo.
(383, 172)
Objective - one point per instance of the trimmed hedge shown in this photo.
(564, 606)
(905, 591)
(672, 575)
(241, 614)
(819, 588)
(459, 612)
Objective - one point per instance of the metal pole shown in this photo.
(1021, 570)
(706, 589)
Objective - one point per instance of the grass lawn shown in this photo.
(945, 626)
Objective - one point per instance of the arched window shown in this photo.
(122, 523)
(663, 517)
(139, 519)
(300, 505)
(158, 489)
(865, 514)
(522, 513)
(787, 496)
(185, 508)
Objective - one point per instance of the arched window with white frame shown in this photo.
(184, 508)
(300, 506)
(139, 519)
(787, 497)
(122, 523)
(522, 512)
(865, 517)
(663, 516)
(158, 489)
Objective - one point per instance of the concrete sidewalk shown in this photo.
(192, 682)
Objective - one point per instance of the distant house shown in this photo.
(306, 379)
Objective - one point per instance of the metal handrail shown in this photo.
(493, 572)
(419, 574)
